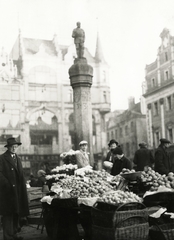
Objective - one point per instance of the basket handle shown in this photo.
(95, 205)
(124, 220)
(132, 203)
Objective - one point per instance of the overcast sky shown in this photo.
(129, 33)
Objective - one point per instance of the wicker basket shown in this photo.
(129, 210)
(132, 228)
(163, 232)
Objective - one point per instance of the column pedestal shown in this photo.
(81, 80)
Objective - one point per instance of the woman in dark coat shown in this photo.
(162, 159)
(13, 194)
(120, 162)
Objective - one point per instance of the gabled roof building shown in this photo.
(37, 99)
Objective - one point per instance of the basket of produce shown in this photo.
(127, 210)
(131, 176)
(162, 232)
(135, 227)
(120, 197)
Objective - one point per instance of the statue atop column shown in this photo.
(79, 39)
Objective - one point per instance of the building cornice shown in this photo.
(158, 89)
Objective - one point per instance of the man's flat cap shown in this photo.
(164, 140)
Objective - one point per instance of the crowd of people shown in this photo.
(13, 193)
(160, 161)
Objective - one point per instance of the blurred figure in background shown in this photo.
(41, 178)
(32, 181)
(162, 160)
(143, 157)
(46, 167)
(120, 162)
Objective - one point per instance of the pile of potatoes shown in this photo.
(155, 179)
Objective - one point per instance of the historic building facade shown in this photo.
(128, 128)
(37, 100)
(159, 92)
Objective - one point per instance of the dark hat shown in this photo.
(142, 144)
(112, 141)
(164, 140)
(12, 141)
(118, 151)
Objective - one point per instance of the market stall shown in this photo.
(131, 205)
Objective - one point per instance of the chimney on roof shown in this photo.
(131, 102)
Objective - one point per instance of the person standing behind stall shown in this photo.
(110, 157)
(82, 158)
(120, 162)
(41, 178)
(143, 157)
(162, 159)
(13, 193)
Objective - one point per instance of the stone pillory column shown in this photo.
(81, 80)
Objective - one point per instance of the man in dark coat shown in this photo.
(162, 160)
(13, 194)
(143, 157)
(120, 162)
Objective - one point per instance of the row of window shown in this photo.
(166, 77)
(115, 134)
(168, 105)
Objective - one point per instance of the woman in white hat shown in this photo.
(82, 157)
